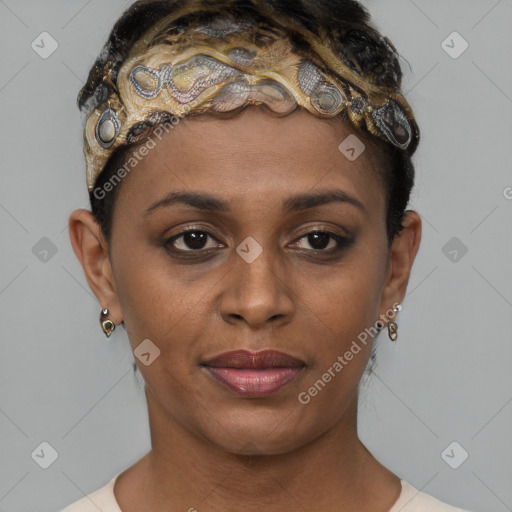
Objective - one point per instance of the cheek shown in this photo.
(347, 297)
(345, 315)
(345, 306)
(171, 305)
(157, 304)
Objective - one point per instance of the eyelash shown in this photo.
(341, 242)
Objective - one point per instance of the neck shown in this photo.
(333, 472)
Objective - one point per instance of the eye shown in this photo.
(191, 240)
(323, 241)
(195, 240)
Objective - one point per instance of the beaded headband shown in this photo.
(226, 64)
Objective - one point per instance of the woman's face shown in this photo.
(249, 277)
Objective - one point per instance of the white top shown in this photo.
(410, 500)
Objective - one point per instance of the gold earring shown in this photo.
(392, 326)
(106, 324)
(392, 331)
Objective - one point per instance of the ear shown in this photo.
(91, 249)
(402, 254)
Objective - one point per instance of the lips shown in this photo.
(254, 374)
(256, 360)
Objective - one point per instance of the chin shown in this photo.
(260, 432)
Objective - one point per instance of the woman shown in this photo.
(252, 254)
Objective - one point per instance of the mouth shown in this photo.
(254, 374)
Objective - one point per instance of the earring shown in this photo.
(106, 324)
(392, 326)
(392, 331)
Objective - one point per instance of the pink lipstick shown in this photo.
(254, 374)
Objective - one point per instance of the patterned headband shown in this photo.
(226, 64)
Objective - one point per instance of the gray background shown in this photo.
(448, 379)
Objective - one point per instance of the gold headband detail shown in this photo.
(218, 66)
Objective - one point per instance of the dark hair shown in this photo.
(347, 24)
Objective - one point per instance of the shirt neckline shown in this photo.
(406, 494)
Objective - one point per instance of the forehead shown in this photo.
(254, 157)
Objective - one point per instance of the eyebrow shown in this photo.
(295, 203)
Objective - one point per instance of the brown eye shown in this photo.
(322, 241)
(190, 241)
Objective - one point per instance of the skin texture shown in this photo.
(211, 448)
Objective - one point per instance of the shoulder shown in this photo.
(102, 499)
(412, 500)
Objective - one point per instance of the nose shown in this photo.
(257, 293)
